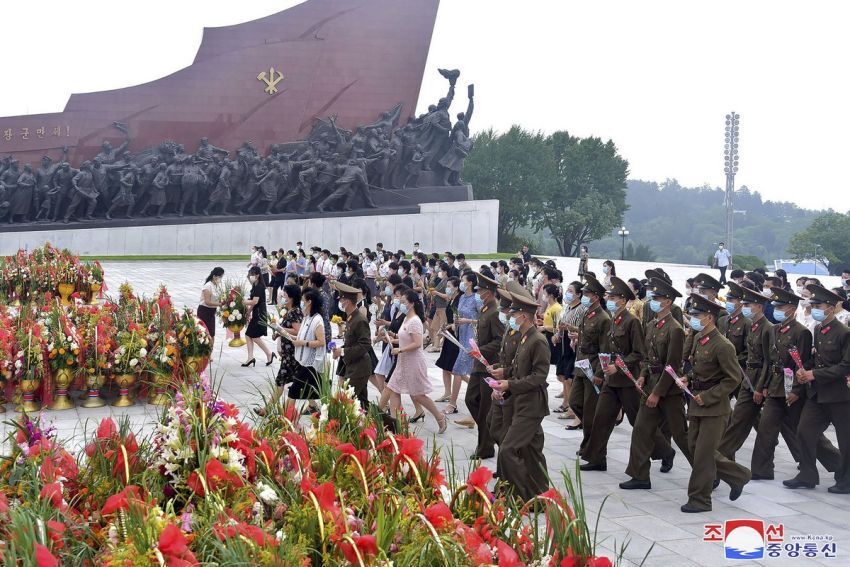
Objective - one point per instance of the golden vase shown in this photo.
(27, 390)
(65, 291)
(237, 340)
(62, 381)
(160, 383)
(195, 364)
(94, 289)
(92, 397)
(125, 382)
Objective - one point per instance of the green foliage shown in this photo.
(744, 262)
(826, 239)
(684, 225)
(639, 253)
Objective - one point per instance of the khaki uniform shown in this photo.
(776, 413)
(625, 339)
(478, 393)
(828, 401)
(649, 315)
(500, 415)
(358, 363)
(521, 459)
(716, 373)
(664, 340)
(592, 334)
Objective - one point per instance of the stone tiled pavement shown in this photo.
(642, 518)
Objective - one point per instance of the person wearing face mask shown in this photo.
(608, 271)
(449, 351)
(664, 339)
(583, 263)
(827, 393)
(722, 261)
(841, 312)
(284, 330)
(781, 408)
(489, 339)
(256, 329)
(716, 373)
(735, 327)
(440, 300)
(354, 352)
(625, 340)
(648, 314)
(570, 317)
(749, 400)
(522, 462)
(210, 294)
(804, 311)
(707, 287)
(589, 340)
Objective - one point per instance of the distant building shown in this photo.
(804, 267)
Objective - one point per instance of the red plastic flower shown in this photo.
(194, 483)
(52, 492)
(479, 479)
(366, 546)
(439, 515)
(44, 558)
(507, 556)
(122, 500)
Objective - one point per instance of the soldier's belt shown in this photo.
(755, 365)
(592, 349)
(656, 368)
(698, 385)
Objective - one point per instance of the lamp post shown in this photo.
(623, 233)
(730, 153)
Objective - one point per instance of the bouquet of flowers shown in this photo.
(586, 367)
(193, 338)
(131, 350)
(795, 355)
(63, 347)
(679, 382)
(475, 352)
(31, 359)
(8, 351)
(621, 365)
(233, 312)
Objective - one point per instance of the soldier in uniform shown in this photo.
(490, 331)
(782, 407)
(749, 401)
(590, 339)
(736, 328)
(664, 340)
(521, 459)
(356, 346)
(648, 314)
(716, 373)
(827, 392)
(624, 340)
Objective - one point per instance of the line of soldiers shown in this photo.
(674, 382)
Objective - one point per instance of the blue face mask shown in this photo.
(402, 308)
(818, 314)
(568, 297)
(478, 298)
(611, 305)
(747, 312)
(730, 307)
(696, 324)
(396, 303)
(512, 322)
(463, 287)
(655, 306)
(503, 319)
(649, 294)
(585, 301)
(450, 291)
(779, 315)
(388, 290)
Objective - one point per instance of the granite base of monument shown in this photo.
(461, 225)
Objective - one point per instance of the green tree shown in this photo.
(827, 239)
(517, 168)
(590, 198)
(639, 253)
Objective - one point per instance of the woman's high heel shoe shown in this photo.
(416, 418)
(444, 424)
(252, 362)
(269, 362)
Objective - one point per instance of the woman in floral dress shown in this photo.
(290, 323)
(466, 321)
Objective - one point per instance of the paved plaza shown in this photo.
(642, 518)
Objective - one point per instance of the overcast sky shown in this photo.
(657, 77)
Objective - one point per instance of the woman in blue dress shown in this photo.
(466, 322)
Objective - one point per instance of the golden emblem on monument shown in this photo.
(270, 80)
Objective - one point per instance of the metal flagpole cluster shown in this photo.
(731, 168)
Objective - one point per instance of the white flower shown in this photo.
(323, 414)
(233, 304)
(113, 535)
(446, 494)
(231, 317)
(279, 535)
(133, 362)
(143, 352)
(266, 493)
(238, 315)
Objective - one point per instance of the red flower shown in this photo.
(107, 429)
(53, 493)
(598, 562)
(172, 542)
(439, 515)
(479, 479)
(122, 500)
(507, 556)
(195, 484)
(366, 545)
(44, 558)
(4, 505)
(218, 477)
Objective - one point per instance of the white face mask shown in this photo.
(252, 279)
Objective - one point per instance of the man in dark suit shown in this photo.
(355, 349)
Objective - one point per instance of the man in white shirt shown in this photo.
(722, 261)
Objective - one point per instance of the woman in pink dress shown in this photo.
(411, 373)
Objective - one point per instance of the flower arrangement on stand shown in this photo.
(233, 314)
(98, 331)
(31, 367)
(128, 360)
(194, 342)
(64, 356)
(8, 354)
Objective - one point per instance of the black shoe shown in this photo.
(667, 463)
(839, 489)
(688, 509)
(416, 418)
(477, 457)
(794, 483)
(635, 484)
(269, 362)
(762, 477)
(573, 427)
(716, 483)
(735, 493)
(252, 362)
(594, 467)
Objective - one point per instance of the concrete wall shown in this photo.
(465, 226)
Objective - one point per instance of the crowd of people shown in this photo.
(701, 369)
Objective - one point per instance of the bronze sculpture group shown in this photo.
(333, 170)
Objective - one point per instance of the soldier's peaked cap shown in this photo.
(708, 282)
(621, 288)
